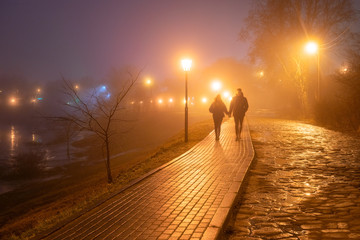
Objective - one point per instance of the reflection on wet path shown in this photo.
(14, 140)
(304, 184)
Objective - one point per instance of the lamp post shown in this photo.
(313, 48)
(149, 83)
(186, 63)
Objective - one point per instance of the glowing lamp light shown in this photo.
(216, 86)
(226, 94)
(160, 101)
(204, 100)
(311, 48)
(171, 100)
(148, 82)
(186, 64)
(12, 101)
(76, 87)
(344, 69)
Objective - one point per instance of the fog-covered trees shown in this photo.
(278, 30)
(349, 95)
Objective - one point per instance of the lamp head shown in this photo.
(186, 64)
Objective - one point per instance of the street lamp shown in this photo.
(313, 48)
(186, 64)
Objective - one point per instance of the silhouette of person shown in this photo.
(218, 110)
(238, 106)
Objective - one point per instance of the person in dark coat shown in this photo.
(218, 110)
(238, 106)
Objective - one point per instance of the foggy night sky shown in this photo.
(41, 39)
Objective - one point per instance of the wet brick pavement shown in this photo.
(189, 198)
(304, 184)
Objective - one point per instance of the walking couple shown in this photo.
(238, 107)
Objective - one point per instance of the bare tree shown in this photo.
(96, 112)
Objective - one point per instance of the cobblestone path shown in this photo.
(304, 184)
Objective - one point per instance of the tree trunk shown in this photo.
(108, 169)
(68, 148)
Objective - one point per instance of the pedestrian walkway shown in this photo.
(188, 198)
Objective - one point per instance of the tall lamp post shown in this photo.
(313, 48)
(186, 64)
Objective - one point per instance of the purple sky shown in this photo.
(42, 38)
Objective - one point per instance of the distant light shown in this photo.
(204, 100)
(311, 47)
(344, 69)
(226, 94)
(160, 101)
(216, 85)
(148, 82)
(171, 100)
(38, 90)
(103, 88)
(141, 102)
(261, 74)
(186, 64)
(76, 87)
(13, 101)
(132, 103)
(230, 98)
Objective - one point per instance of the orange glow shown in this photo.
(148, 81)
(344, 69)
(13, 101)
(204, 100)
(171, 100)
(160, 101)
(216, 85)
(311, 47)
(186, 64)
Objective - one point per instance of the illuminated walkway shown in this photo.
(188, 198)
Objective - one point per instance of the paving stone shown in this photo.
(267, 231)
(189, 197)
(311, 190)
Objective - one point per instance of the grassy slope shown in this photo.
(41, 206)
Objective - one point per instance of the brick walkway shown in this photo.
(188, 198)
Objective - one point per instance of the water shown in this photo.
(15, 139)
